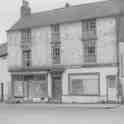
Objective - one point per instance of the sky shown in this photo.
(10, 11)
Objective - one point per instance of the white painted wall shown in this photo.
(121, 46)
(106, 43)
(14, 49)
(103, 82)
(72, 45)
(5, 77)
(40, 46)
(72, 48)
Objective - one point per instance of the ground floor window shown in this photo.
(84, 84)
(33, 85)
(38, 89)
(18, 89)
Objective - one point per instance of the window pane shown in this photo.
(77, 86)
(27, 58)
(112, 82)
(26, 34)
(89, 25)
(18, 88)
(84, 85)
(90, 86)
(90, 51)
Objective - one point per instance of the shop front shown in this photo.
(30, 86)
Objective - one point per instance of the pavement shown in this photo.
(61, 113)
(68, 105)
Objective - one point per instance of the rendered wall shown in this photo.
(104, 72)
(14, 49)
(41, 46)
(72, 45)
(5, 78)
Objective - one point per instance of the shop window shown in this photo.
(84, 85)
(40, 77)
(18, 89)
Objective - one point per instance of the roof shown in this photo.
(68, 14)
(3, 49)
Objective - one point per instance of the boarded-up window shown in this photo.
(84, 85)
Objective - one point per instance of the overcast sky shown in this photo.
(10, 10)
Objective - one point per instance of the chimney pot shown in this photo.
(25, 9)
(67, 5)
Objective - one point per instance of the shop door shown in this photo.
(57, 89)
(112, 88)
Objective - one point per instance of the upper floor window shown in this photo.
(89, 25)
(26, 35)
(55, 51)
(27, 58)
(56, 54)
(55, 28)
(90, 51)
(55, 33)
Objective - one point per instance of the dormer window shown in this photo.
(26, 34)
(55, 28)
(89, 25)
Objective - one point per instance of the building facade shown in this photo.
(69, 55)
(5, 78)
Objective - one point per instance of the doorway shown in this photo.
(56, 87)
(111, 89)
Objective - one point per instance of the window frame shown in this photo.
(27, 58)
(26, 34)
(90, 51)
(83, 74)
(89, 25)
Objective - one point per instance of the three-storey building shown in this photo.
(67, 55)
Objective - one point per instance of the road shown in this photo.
(47, 114)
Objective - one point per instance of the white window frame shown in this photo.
(89, 57)
(26, 56)
(84, 77)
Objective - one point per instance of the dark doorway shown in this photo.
(2, 92)
(56, 87)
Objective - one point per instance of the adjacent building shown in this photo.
(72, 55)
(5, 78)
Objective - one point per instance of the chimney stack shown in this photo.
(25, 9)
(67, 5)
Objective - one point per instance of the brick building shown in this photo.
(70, 55)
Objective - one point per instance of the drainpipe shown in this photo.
(119, 87)
(2, 92)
